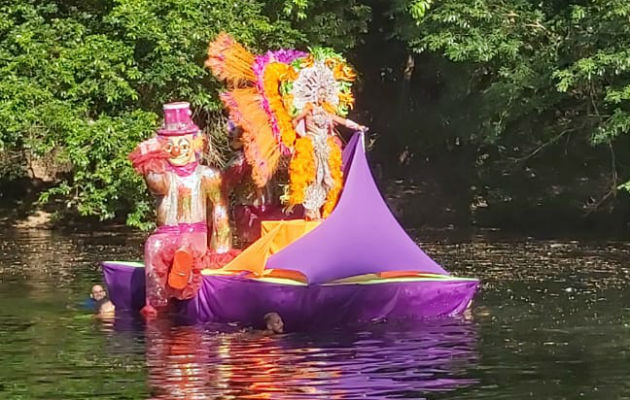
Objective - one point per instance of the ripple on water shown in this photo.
(552, 321)
(387, 360)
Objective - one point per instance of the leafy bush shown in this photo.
(539, 71)
(87, 79)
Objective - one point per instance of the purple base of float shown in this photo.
(226, 299)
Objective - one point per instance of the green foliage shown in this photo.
(102, 181)
(334, 23)
(418, 8)
(85, 81)
(538, 70)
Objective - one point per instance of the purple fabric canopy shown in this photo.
(360, 236)
(348, 152)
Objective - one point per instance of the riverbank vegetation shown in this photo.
(487, 112)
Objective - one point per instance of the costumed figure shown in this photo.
(251, 204)
(287, 103)
(176, 252)
(359, 262)
(315, 169)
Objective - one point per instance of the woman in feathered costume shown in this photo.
(287, 102)
(315, 168)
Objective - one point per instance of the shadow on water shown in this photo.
(551, 321)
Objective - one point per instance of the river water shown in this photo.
(551, 321)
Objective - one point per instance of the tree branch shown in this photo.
(544, 145)
(613, 167)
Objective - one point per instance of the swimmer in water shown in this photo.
(97, 293)
(273, 323)
(101, 305)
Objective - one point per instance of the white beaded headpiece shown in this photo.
(313, 84)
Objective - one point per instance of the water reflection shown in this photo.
(552, 321)
(381, 361)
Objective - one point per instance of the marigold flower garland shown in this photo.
(301, 170)
(274, 74)
(271, 70)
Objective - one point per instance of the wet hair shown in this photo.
(270, 315)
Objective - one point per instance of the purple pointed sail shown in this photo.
(361, 235)
(348, 152)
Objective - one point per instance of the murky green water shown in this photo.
(552, 321)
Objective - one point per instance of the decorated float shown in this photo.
(345, 260)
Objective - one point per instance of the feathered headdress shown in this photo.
(266, 91)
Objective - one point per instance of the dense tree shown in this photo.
(545, 70)
(496, 91)
(87, 81)
(530, 98)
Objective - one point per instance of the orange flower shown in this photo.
(308, 61)
(301, 170)
(346, 98)
(344, 72)
(274, 73)
(329, 108)
(290, 74)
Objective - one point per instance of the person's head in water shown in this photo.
(98, 293)
(101, 305)
(274, 323)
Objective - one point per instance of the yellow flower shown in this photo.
(287, 99)
(290, 74)
(308, 61)
(274, 73)
(346, 98)
(344, 72)
(330, 63)
(329, 108)
(301, 170)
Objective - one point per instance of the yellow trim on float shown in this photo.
(366, 279)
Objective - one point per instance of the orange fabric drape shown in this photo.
(275, 235)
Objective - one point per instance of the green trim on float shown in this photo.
(135, 264)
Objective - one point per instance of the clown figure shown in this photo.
(174, 252)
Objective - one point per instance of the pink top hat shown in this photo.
(177, 120)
